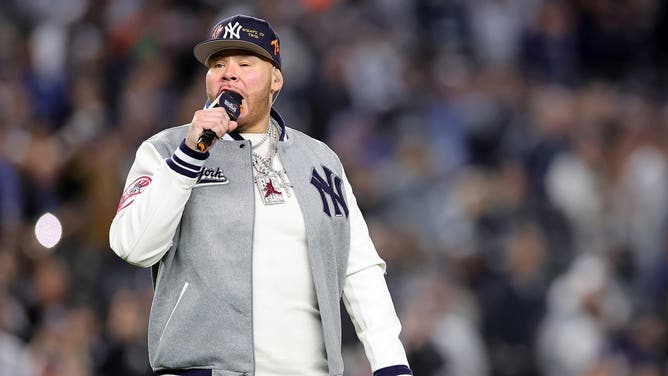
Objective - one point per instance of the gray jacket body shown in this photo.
(202, 315)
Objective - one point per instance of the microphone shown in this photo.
(231, 102)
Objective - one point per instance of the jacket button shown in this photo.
(242, 146)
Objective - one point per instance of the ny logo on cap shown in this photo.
(230, 29)
(233, 30)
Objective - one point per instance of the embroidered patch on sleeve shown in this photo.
(138, 186)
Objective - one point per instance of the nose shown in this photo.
(229, 74)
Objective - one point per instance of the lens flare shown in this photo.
(48, 230)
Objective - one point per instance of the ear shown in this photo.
(276, 79)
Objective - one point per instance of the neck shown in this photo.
(260, 126)
(267, 130)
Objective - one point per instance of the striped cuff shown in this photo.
(185, 372)
(186, 161)
(393, 371)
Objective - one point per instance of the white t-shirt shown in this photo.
(287, 331)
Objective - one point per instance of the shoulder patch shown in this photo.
(135, 188)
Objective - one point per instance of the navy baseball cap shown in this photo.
(241, 32)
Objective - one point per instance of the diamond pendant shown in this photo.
(267, 187)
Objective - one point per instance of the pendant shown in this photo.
(267, 187)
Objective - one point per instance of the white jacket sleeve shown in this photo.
(368, 301)
(149, 212)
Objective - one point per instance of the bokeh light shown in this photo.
(48, 230)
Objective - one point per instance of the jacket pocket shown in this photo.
(183, 292)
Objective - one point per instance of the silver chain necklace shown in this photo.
(271, 184)
(264, 138)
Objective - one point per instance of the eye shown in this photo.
(216, 64)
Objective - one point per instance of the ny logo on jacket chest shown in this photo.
(330, 186)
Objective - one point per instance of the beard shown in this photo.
(258, 110)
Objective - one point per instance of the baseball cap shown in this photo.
(241, 32)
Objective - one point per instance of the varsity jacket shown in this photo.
(189, 216)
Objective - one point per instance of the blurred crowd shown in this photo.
(511, 158)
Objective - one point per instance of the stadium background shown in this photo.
(510, 157)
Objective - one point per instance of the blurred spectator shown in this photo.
(62, 346)
(47, 295)
(440, 329)
(10, 201)
(15, 359)
(125, 336)
(512, 300)
(549, 44)
(587, 308)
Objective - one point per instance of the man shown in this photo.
(255, 239)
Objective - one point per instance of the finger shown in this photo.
(218, 112)
(214, 122)
(232, 125)
(215, 114)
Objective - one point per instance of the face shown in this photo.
(250, 76)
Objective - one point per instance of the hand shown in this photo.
(215, 119)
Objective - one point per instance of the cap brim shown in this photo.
(204, 50)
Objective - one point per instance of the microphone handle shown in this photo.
(231, 101)
(205, 140)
